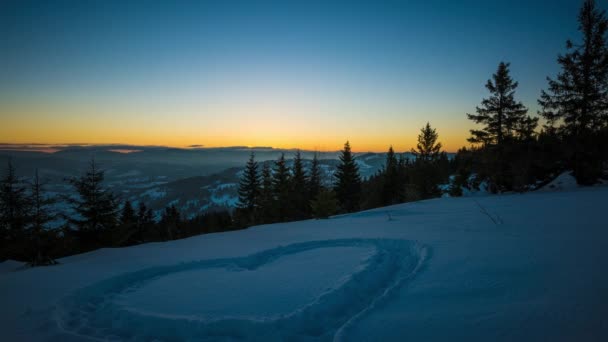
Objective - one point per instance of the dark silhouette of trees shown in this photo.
(249, 192)
(96, 210)
(127, 231)
(41, 238)
(506, 134)
(348, 181)
(281, 183)
(578, 97)
(144, 224)
(314, 183)
(392, 183)
(500, 114)
(299, 198)
(425, 172)
(428, 148)
(14, 217)
(266, 205)
(171, 224)
(325, 204)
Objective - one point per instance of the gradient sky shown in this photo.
(283, 74)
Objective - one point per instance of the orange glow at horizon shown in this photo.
(278, 127)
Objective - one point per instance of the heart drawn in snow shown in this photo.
(309, 290)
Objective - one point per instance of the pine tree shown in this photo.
(281, 183)
(14, 217)
(266, 198)
(314, 183)
(325, 204)
(299, 182)
(426, 173)
(127, 231)
(41, 238)
(500, 113)
(145, 223)
(249, 191)
(171, 223)
(391, 187)
(427, 149)
(96, 209)
(578, 97)
(348, 181)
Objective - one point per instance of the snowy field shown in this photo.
(527, 267)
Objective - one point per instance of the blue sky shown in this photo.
(294, 73)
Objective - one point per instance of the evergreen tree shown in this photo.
(426, 173)
(314, 183)
(391, 192)
(578, 97)
(128, 214)
(249, 191)
(171, 223)
(427, 149)
(281, 183)
(266, 198)
(325, 204)
(500, 114)
(41, 238)
(14, 217)
(127, 231)
(299, 186)
(348, 181)
(96, 209)
(145, 222)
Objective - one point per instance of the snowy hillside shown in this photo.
(497, 268)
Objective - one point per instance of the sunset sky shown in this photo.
(284, 74)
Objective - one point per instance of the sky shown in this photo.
(286, 74)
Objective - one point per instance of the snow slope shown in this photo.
(495, 268)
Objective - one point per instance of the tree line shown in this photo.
(95, 218)
(510, 151)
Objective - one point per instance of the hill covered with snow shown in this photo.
(494, 268)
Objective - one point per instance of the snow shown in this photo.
(483, 268)
(154, 193)
(10, 266)
(565, 181)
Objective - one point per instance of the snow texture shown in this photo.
(486, 268)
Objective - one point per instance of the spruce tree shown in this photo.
(14, 214)
(96, 209)
(578, 97)
(299, 182)
(41, 214)
(500, 114)
(347, 181)
(266, 199)
(281, 183)
(145, 223)
(391, 187)
(428, 148)
(126, 233)
(171, 223)
(425, 170)
(325, 204)
(314, 183)
(249, 191)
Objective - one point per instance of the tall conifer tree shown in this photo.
(249, 191)
(41, 216)
(96, 209)
(500, 114)
(578, 97)
(281, 182)
(348, 181)
(299, 187)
